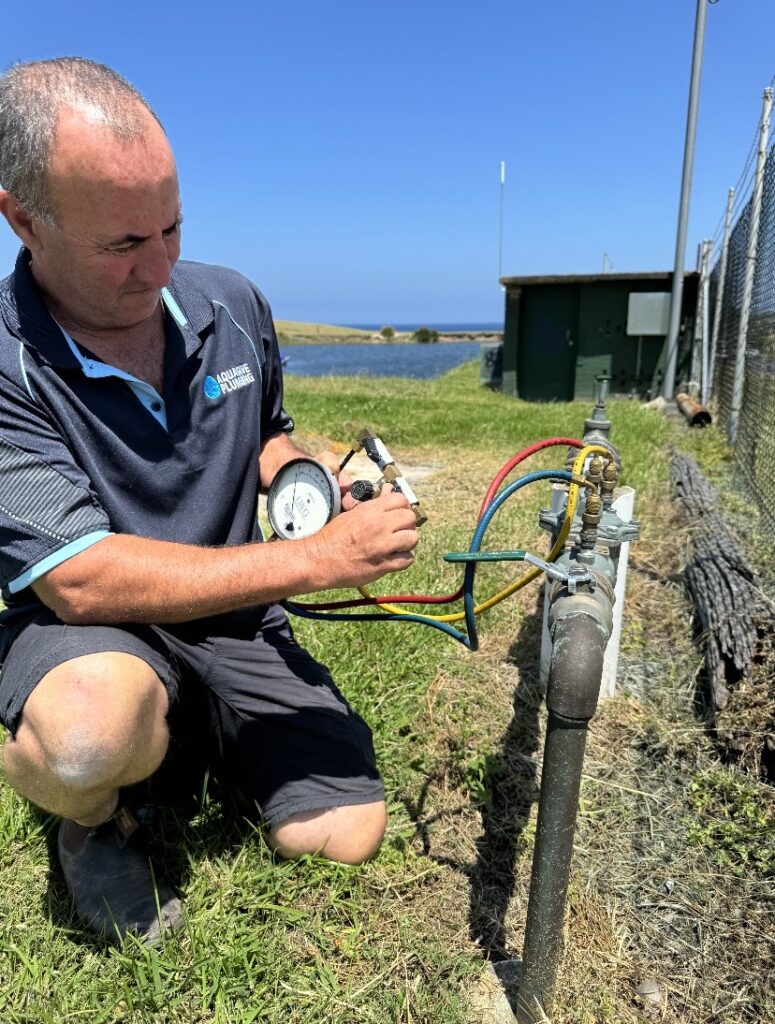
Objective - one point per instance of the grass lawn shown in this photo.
(674, 862)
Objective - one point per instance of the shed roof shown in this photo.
(650, 275)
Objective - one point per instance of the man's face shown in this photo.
(117, 232)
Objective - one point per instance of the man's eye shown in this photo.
(173, 229)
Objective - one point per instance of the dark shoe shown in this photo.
(111, 883)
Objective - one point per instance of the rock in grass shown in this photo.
(650, 991)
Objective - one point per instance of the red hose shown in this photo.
(503, 472)
(552, 442)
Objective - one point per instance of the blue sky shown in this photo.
(346, 155)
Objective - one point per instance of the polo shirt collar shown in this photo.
(193, 303)
(28, 316)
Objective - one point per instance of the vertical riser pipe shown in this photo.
(579, 636)
(560, 783)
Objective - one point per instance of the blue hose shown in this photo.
(471, 641)
(445, 627)
(479, 532)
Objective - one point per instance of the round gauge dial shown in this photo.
(302, 498)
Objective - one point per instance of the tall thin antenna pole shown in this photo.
(668, 386)
(500, 221)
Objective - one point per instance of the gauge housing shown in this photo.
(302, 498)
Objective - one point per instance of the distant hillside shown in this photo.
(295, 332)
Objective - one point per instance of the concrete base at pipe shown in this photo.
(487, 1000)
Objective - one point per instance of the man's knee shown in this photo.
(349, 834)
(91, 719)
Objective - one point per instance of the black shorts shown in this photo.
(267, 714)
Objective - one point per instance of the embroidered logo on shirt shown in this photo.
(228, 380)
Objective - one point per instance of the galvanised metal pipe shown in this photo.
(579, 641)
(722, 277)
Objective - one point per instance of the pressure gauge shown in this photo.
(302, 498)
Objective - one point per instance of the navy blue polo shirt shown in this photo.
(87, 450)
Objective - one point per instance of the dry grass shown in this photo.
(650, 900)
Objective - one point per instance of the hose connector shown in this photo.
(590, 519)
(608, 484)
(595, 471)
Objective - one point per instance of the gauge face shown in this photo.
(302, 498)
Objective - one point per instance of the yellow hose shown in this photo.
(531, 574)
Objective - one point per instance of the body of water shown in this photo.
(405, 360)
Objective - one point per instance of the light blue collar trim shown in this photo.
(148, 396)
(173, 307)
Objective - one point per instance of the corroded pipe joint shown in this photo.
(597, 602)
(579, 625)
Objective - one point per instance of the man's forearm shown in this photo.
(133, 579)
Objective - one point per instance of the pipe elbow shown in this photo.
(576, 667)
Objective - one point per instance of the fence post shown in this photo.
(698, 367)
(695, 363)
(704, 303)
(722, 279)
(750, 268)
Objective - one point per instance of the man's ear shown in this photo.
(22, 223)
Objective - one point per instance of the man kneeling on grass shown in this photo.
(138, 593)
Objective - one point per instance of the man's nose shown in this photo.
(155, 263)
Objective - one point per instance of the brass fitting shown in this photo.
(608, 484)
(590, 519)
(595, 471)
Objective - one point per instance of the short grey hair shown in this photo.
(31, 98)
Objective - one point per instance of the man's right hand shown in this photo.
(359, 546)
(123, 578)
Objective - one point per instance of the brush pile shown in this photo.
(732, 610)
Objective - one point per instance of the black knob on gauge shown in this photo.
(362, 490)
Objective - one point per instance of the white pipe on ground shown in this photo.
(624, 506)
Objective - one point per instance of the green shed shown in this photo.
(561, 332)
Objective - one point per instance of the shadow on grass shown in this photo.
(509, 788)
(513, 789)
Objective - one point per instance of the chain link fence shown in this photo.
(754, 442)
